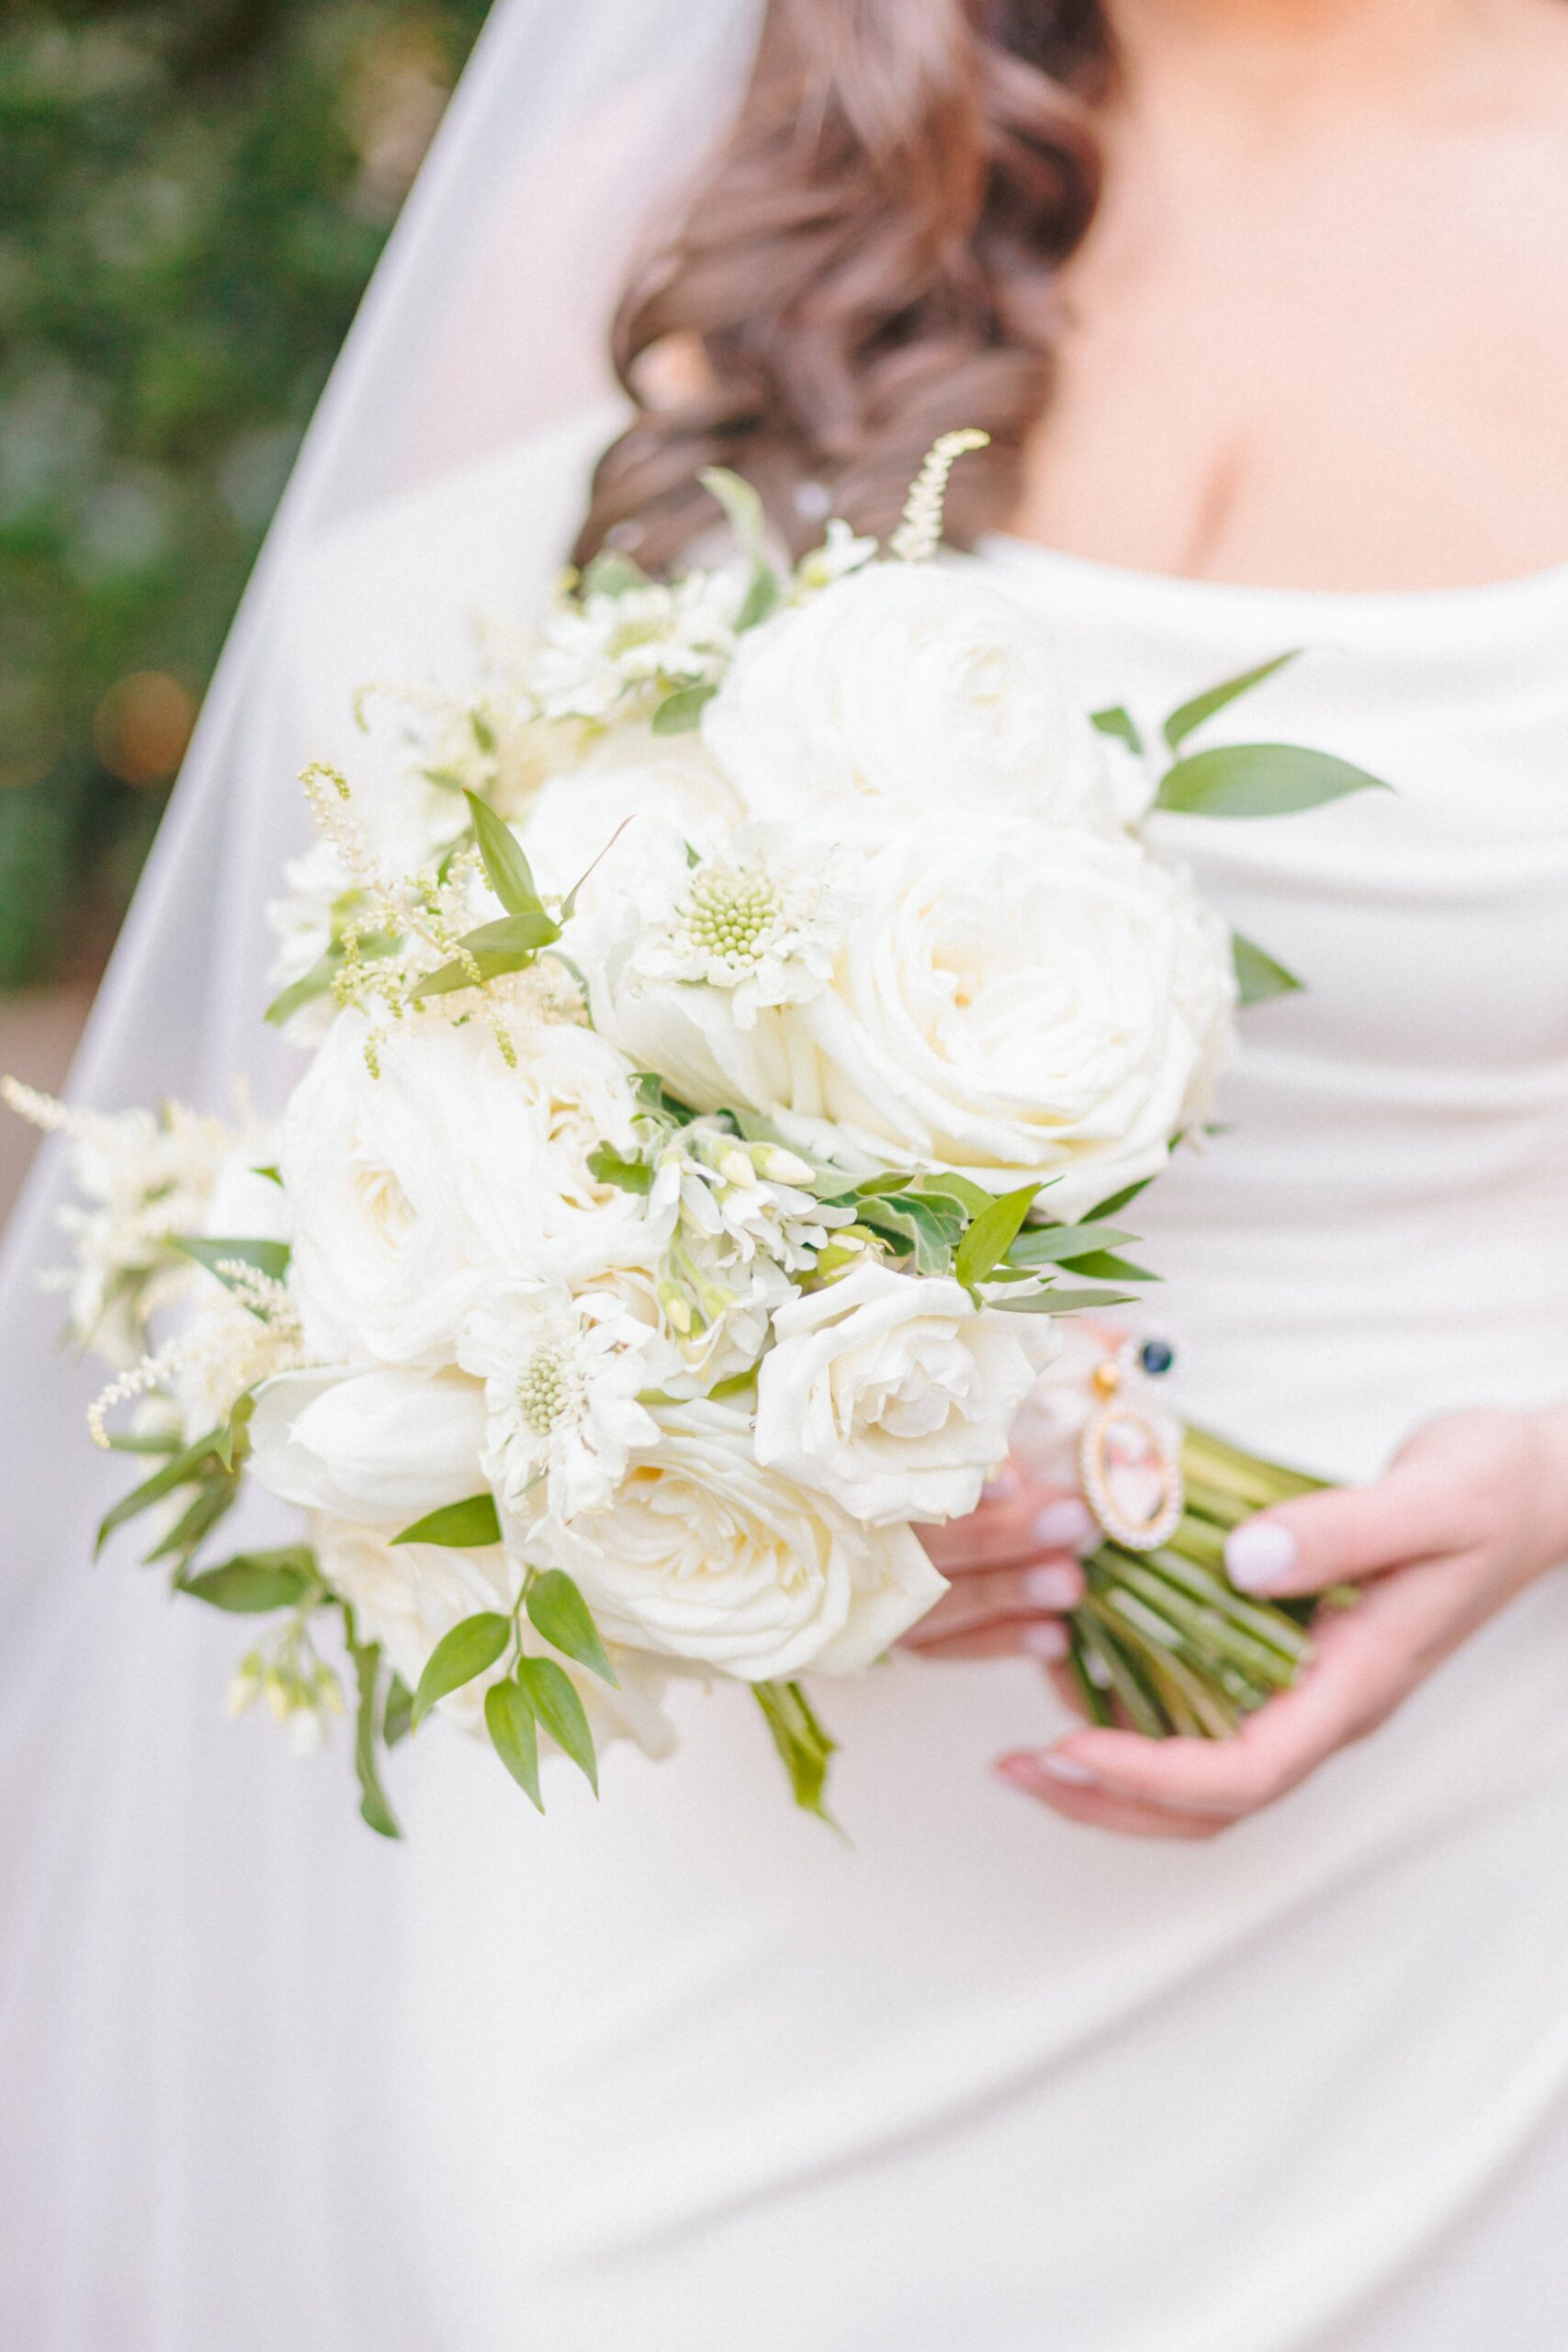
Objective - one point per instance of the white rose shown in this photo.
(894, 692)
(576, 816)
(407, 1597)
(413, 1190)
(892, 1395)
(387, 1447)
(704, 1555)
(1016, 1003)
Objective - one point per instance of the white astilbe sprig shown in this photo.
(143, 1379)
(146, 1176)
(919, 535)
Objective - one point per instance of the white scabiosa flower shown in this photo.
(561, 1378)
(607, 649)
(762, 920)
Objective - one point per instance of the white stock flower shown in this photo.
(407, 1598)
(894, 694)
(891, 1394)
(596, 653)
(416, 1188)
(704, 1556)
(1017, 1003)
(561, 1378)
(385, 1447)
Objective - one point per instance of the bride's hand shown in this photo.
(1014, 1570)
(1474, 1507)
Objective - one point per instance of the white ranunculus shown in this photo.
(705, 1557)
(409, 1595)
(893, 1395)
(387, 1447)
(896, 692)
(415, 1189)
(1017, 1003)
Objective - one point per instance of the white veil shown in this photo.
(198, 2150)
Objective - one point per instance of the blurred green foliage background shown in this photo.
(192, 196)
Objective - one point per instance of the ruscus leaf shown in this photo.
(511, 877)
(557, 1610)
(550, 1693)
(252, 1583)
(374, 1809)
(458, 1657)
(1121, 725)
(679, 712)
(1182, 721)
(469, 1525)
(992, 1233)
(805, 1745)
(1260, 780)
(1257, 975)
(509, 1719)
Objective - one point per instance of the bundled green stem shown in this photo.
(1163, 1641)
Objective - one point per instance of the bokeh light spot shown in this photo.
(142, 725)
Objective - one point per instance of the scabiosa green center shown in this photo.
(730, 914)
(547, 1391)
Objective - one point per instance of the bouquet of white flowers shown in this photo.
(735, 1028)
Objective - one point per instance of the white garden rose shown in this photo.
(1017, 1003)
(705, 1555)
(409, 1595)
(629, 783)
(895, 692)
(892, 1396)
(387, 1447)
(416, 1187)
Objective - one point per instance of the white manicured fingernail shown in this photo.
(1260, 1554)
(1053, 1588)
(1064, 1526)
(1043, 1641)
(1066, 1767)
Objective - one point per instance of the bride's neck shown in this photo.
(1236, 69)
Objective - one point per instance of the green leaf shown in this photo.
(557, 1610)
(1058, 1245)
(509, 1719)
(397, 1716)
(511, 877)
(1062, 1302)
(251, 1583)
(212, 1501)
(611, 574)
(321, 976)
(931, 1228)
(273, 1175)
(1117, 1202)
(366, 1656)
(946, 1186)
(147, 1442)
(1260, 780)
(187, 1469)
(510, 944)
(992, 1233)
(457, 1657)
(1182, 722)
(470, 1525)
(1121, 725)
(550, 1692)
(679, 712)
(657, 1101)
(1257, 975)
(631, 1175)
(735, 1383)
(762, 595)
(234, 1438)
(802, 1742)
(1104, 1265)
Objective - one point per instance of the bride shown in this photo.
(1265, 306)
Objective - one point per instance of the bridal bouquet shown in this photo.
(736, 1031)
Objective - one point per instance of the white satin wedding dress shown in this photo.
(681, 2070)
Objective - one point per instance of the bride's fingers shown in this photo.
(1346, 1532)
(1010, 1531)
(1098, 1808)
(1051, 1582)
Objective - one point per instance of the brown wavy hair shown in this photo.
(867, 262)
